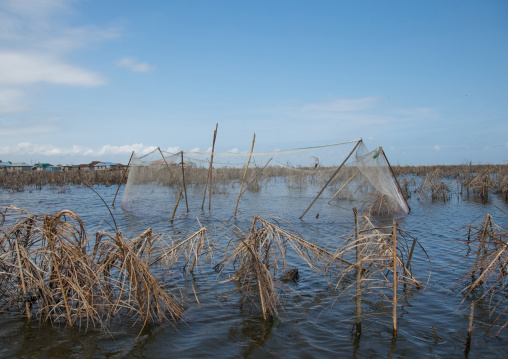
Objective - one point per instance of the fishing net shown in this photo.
(279, 183)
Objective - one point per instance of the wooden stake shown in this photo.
(183, 181)
(244, 174)
(209, 178)
(358, 277)
(394, 278)
(123, 176)
(176, 204)
(470, 328)
(332, 176)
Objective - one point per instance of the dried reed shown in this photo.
(379, 251)
(57, 273)
(435, 186)
(260, 255)
(487, 248)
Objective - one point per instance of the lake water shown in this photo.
(315, 322)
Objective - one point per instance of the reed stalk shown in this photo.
(244, 174)
(394, 278)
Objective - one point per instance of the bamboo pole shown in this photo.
(395, 178)
(470, 328)
(123, 176)
(244, 174)
(481, 249)
(331, 177)
(358, 277)
(209, 178)
(23, 287)
(176, 204)
(394, 278)
(183, 181)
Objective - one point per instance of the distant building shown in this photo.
(5, 166)
(106, 166)
(87, 167)
(41, 166)
(21, 166)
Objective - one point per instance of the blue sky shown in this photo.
(96, 80)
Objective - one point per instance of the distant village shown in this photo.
(92, 166)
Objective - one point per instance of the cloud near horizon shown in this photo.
(134, 64)
(27, 148)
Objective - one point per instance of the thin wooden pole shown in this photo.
(470, 328)
(358, 277)
(245, 174)
(332, 176)
(209, 178)
(395, 178)
(183, 181)
(394, 278)
(123, 176)
(176, 204)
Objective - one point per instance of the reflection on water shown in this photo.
(315, 322)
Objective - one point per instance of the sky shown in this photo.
(95, 80)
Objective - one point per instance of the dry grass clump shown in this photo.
(408, 186)
(52, 270)
(371, 255)
(372, 250)
(435, 186)
(502, 188)
(480, 184)
(259, 255)
(487, 251)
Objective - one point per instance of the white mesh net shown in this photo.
(277, 183)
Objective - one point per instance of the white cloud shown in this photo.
(134, 65)
(18, 68)
(234, 150)
(437, 148)
(35, 39)
(173, 150)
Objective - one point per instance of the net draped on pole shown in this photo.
(365, 181)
